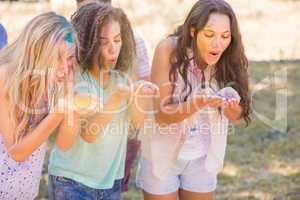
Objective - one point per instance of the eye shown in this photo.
(71, 57)
(117, 40)
(226, 36)
(208, 35)
(104, 42)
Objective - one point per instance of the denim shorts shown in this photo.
(61, 188)
(189, 175)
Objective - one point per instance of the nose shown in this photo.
(70, 64)
(216, 42)
(112, 49)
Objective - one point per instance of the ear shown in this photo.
(192, 31)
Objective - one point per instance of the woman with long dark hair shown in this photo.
(201, 71)
(92, 167)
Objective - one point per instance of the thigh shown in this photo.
(196, 179)
(61, 188)
(153, 186)
(170, 196)
(188, 195)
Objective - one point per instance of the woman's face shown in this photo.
(66, 60)
(214, 38)
(110, 44)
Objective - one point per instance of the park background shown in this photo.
(262, 160)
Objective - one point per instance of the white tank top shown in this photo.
(197, 142)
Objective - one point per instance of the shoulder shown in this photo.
(140, 45)
(161, 64)
(2, 79)
(166, 47)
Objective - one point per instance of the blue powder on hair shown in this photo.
(69, 38)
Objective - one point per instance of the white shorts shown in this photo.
(189, 175)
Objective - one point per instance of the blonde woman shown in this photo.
(40, 58)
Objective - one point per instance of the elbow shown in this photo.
(163, 119)
(65, 143)
(162, 122)
(63, 147)
(235, 121)
(17, 156)
(138, 122)
(89, 138)
(233, 118)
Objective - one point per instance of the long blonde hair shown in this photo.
(29, 61)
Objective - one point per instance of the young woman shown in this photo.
(142, 70)
(92, 167)
(194, 68)
(40, 59)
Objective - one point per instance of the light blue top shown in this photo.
(99, 164)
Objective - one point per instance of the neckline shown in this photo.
(95, 82)
(191, 57)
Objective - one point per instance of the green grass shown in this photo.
(261, 163)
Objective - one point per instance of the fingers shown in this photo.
(214, 101)
(144, 91)
(65, 72)
(123, 88)
(60, 76)
(231, 104)
(142, 87)
(217, 101)
(123, 91)
(84, 104)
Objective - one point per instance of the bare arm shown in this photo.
(168, 112)
(143, 97)
(142, 60)
(233, 111)
(67, 132)
(27, 145)
(95, 124)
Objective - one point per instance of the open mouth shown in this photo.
(112, 61)
(214, 54)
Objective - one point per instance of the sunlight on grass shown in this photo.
(230, 169)
(285, 169)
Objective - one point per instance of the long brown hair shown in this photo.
(88, 21)
(231, 69)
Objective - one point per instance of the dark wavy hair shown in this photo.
(88, 22)
(231, 69)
